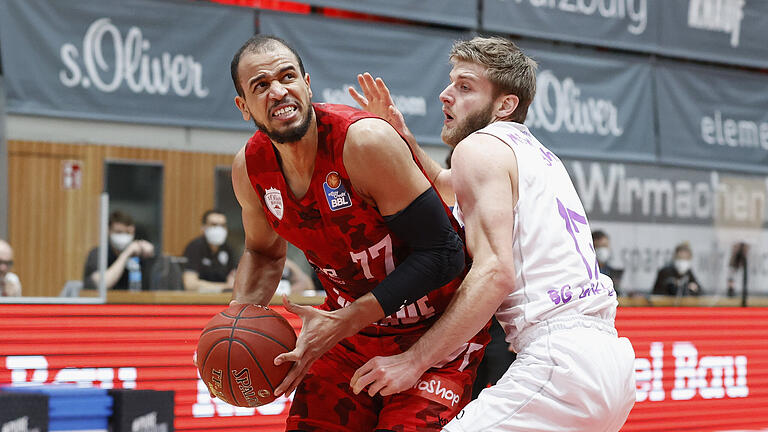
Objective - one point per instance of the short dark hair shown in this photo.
(118, 216)
(598, 235)
(253, 45)
(210, 212)
(683, 247)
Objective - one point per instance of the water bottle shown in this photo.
(134, 274)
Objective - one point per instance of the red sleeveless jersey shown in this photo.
(344, 238)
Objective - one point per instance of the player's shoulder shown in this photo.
(371, 135)
(481, 146)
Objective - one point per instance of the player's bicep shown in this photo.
(381, 166)
(485, 191)
(259, 235)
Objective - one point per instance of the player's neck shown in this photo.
(297, 161)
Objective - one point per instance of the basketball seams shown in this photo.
(247, 317)
(229, 353)
(255, 360)
(223, 328)
(264, 335)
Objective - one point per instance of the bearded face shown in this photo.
(473, 121)
(288, 134)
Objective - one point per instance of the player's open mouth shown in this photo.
(448, 117)
(284, 112)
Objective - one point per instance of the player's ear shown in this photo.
(506, 105)
(240, 104)
(306, 80)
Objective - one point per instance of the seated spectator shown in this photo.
(122, 247)
(10, 285)
(602, 244)
(294, 280)
(676, 278)
(210, 263)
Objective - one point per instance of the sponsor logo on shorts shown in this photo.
(274, 201)
(243, 380)
(438, 389)
(335, 192)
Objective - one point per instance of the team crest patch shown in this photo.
(274, 201)
(337, 196)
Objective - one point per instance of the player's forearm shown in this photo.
(257, 277)
(436, 257)
(113, 272)
(361, 313)
(438, 175)
(472, 307)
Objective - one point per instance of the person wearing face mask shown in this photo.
(676, 278)
(122, 246)
(602, 244)
(10, 285)
(210, 263)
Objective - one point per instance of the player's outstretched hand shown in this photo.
(386, 375)
(376, 99)
(320, 331)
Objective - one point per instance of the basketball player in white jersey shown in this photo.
(534, 264)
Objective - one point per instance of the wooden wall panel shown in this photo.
(52, 229)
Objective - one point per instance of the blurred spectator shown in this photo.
(294, 280)
(122, 247)
(10, 285)
(677, 279)
(602, 244)
(737, 267)
(210, 263)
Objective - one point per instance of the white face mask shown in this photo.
(120, 241)
(216, 235)
(603, 253)
(682, 266)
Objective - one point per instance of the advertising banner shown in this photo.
(691, 373)
(697, 369)
(724, 31)
(629, 24)
(451, 12)
(142, 61)
(592, 104)
(647, 210)
(412, 61)
(712, 117)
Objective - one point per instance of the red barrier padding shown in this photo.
(697, 369)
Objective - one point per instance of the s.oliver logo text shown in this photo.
(561, 105)
(166, 73)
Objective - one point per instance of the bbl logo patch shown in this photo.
(335, 193)
(274, 201)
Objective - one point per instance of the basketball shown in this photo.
(236, 352)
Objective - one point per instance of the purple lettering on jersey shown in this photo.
(548, 156)
(572, 219)
(563, 296)
(592, 288)
(514, 138)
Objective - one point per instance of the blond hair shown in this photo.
(507, 68)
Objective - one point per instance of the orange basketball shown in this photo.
(236, 352)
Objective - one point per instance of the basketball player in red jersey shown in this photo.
(343, 186)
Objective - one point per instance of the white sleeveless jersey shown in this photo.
(556, 271)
